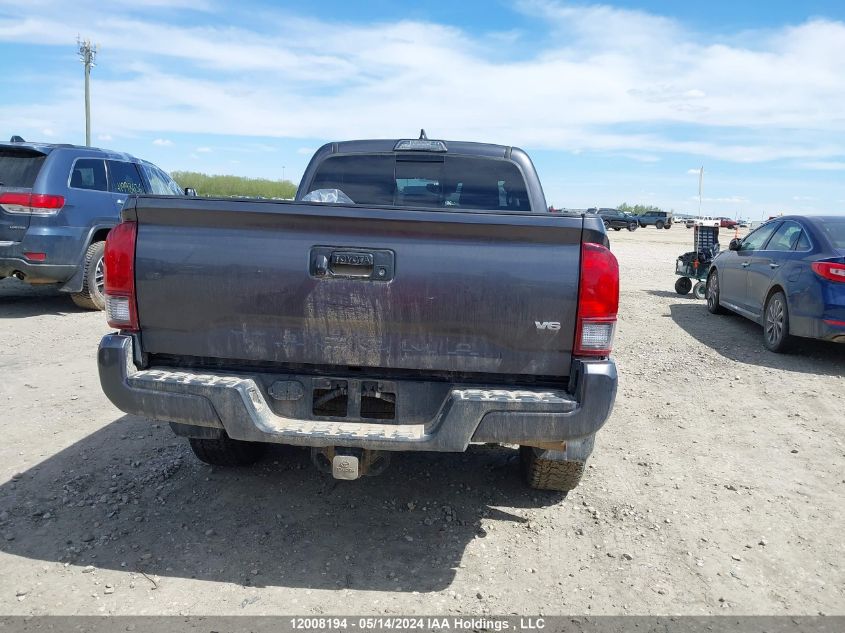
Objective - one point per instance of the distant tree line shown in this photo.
(638, 209)
(225, 186)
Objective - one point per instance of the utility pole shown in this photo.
(87, 54)
(700, 188)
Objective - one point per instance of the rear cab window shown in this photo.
(434, 181)
(19, 167)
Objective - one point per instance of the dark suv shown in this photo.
(616, 219)
(58, 203)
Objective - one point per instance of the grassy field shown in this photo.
(214, 185)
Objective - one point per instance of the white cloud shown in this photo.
(48, 132)
(203, 150)
(306, 151)
(694, 172)
(824, 165)
(104, 137)
(642, 157)
(603, 80)
(727, 199)
(163, 142)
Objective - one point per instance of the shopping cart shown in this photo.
(696, 263)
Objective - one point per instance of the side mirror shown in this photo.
(735, 244)
(190, 192)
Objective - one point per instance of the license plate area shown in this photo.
(361, 399)
(364, 399)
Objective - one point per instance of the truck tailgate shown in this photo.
(327, 285)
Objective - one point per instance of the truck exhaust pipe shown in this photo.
(349, 464)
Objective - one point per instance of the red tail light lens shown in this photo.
(831, 271)
(31, 203)
(598, 301)
(121, 308)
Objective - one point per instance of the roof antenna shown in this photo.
(16, 139)
(423, 137)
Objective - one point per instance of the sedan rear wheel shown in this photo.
(712, 294)
(776, 323)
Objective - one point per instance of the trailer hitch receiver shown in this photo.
(349, 463)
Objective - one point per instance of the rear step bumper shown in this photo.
(468, 413)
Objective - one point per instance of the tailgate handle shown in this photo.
(351, 263)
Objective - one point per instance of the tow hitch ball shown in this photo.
(349, 463)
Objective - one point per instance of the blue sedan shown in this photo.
(788, 275)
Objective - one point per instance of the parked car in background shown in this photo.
(787, 275)
(691, 222)
(58, 203)
(727, 223)
(616, 219)
(658, 219)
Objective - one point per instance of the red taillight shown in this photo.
(598, 301)
(831, 271)
(35, 257)
(121, 309)
(31, 203)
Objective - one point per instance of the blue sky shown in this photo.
(615, 102)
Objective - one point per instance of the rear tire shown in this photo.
(617, 228)
(659, 224)
(549, 474)
(632, 226)
(91, 296)
(224, 451)
(776, 324)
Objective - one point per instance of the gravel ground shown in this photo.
(716, 487)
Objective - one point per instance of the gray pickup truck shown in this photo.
(415, 296)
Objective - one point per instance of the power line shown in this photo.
(87, 54)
